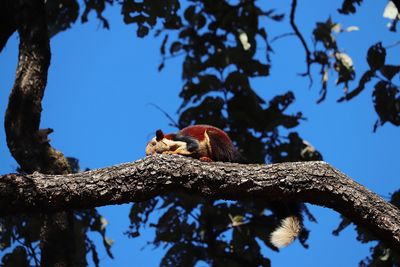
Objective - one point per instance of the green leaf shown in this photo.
(255, 68)
(17, 258)
(142, 31)
(189, 14)
(349, 6)
(109, 242)
(237, 220)
(209, 111)
(386, 99)
(175, 47)
(344, 68)
(168, 227)
(376, 56)
(181, 255)
(139, 215)
(323, 33)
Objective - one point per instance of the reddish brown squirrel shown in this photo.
(203, 142)
(208, 143)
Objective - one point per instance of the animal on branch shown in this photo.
(208, 143)
(203, 142)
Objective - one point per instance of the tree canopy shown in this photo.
(225, 47)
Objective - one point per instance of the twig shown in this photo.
(276, 38)
(175, 55)
(31, 251)
(173, 122)
(393, 45)
(303, 42)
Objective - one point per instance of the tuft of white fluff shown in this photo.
(287, 232)
(244, 40)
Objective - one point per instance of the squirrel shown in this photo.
(208, 143)
(203, 142)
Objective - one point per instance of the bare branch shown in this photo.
(276, 38)
(172, 121)
(302, 40)
(313, 182)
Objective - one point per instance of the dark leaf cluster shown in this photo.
(219, 233)
(328, 55)
(225, 46)
(219, 43)
(385, 96)
(349, 6)
(21, 235)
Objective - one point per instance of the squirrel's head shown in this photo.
(161, 143)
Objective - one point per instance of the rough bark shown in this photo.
(313, 182)
(27, 143)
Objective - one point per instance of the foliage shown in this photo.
(225, 46)
(217, 68)
(385, 96)
(216, 27)
(25, 231)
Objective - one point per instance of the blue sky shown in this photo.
(101, 84)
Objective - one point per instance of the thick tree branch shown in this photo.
(30, 146)
(314, 182)
(27, 143)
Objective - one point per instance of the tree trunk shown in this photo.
(30, 146)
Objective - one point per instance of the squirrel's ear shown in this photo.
(159, 135)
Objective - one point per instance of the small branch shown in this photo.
(173, 122)
(276, 38)
(314, 182)
(175, 55)
(33, 254)
(302, 40)
(393, 45)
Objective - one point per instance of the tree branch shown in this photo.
(314, 182)
(30, 146)
(303, 42)
(27, 143)
(7, 25)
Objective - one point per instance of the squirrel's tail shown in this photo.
(287, 232)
